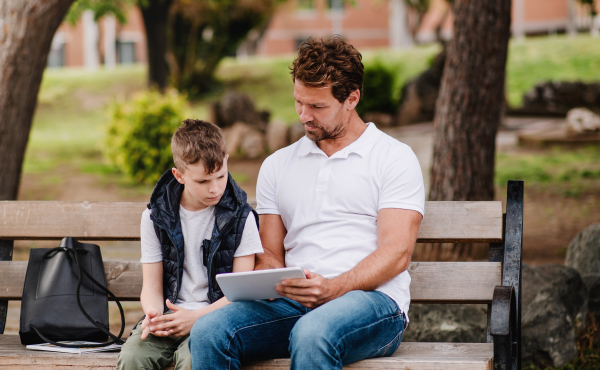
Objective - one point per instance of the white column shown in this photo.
(337, 13)
(572, 26)
(518, 24)
(399, 34)
(110, 31)
(90, 41)
(595, 26)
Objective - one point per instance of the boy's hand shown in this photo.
(146, 325)
(177, 324)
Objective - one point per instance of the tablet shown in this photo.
(252, 285)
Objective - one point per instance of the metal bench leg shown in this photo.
(6, 252)
(504, 329)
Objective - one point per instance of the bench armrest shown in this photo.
(503, 327)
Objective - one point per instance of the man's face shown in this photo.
(203, 189)
(323, 116)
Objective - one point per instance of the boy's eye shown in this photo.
(222, 176)
(202, 182)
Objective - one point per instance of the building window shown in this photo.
(305, 5)
(56, 57)
(335, 5)
(126, 52)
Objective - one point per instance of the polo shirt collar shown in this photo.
(361, 146)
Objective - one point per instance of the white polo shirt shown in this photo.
(329, 205)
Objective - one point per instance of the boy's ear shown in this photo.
(178, 175)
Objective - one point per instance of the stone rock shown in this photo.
(560, 97)
(554, 304)
(379, 119)
(582, 120)
(253, 144)
(238, 107)
(419, 95)
(584, 251)
(296, 132)
(277, 135)
(234, 136)
(446, 323)
(592, 283)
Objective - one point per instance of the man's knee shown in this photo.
(312, 335)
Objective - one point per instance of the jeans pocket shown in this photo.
(391, 347)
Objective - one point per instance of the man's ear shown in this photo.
(353, 99)
(178, 175)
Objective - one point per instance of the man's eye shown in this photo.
(202, 182)
(318, 107)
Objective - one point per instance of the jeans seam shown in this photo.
(388, 344)
(251, 326)
(365, 327)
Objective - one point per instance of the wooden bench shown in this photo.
(496, 283)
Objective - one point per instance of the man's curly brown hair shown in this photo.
(329, 60)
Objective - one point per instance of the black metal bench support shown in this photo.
(6, 253)
(504, 314)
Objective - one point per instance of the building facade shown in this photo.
(365, 24)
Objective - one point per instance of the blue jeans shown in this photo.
(351, 328)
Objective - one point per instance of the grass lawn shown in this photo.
(69, 124)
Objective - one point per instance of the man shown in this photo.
(344, 203)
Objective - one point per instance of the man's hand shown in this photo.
(311, 292)
(177, 324)
(152, 313)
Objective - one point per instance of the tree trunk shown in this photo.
(26, 31)
(155, 15)
(469, 107)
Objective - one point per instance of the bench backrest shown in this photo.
(449, 282)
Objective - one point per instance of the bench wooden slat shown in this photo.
(432, 282)
(25, 220)
(414, 356)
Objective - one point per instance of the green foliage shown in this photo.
(558, 58)
(566, 172)
(139, 134)
(203, 32)
(100, 9)
(378, 90)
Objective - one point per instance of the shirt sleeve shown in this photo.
(250, 243)
(402, 185)
(266, 188)
(151, 250)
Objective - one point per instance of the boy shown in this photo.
(197, 224)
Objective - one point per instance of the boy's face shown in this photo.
(201, 189)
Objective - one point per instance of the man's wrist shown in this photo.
(342, 285)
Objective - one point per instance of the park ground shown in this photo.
(64, 159)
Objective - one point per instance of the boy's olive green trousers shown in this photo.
(154, 353)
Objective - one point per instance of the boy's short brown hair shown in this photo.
(330, 60)
(197, 140)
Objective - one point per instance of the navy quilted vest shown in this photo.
(230, 218)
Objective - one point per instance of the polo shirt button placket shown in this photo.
(323, 176)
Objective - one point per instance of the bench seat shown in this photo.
(410, 355)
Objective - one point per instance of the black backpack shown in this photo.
(65, 297)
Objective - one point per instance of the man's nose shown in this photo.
(305, 115)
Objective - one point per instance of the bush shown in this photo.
(139, 134)
(378, 90)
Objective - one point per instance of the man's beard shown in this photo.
(322, 134)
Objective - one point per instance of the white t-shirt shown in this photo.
(329, 205)
(196, 226)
